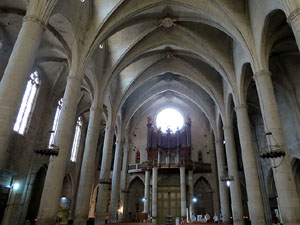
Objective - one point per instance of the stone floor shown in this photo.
(132, 223)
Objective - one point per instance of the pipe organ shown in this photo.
(165, 148)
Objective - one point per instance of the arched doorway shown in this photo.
(93, 202)
(203, 193)
(65, 200)
(296, 169)
(136, 193)
(36, 194)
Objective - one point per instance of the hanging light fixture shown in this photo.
(273, 151)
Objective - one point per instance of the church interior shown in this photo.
(149, 112)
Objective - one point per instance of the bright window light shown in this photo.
(228, 183)
(55, 123)
(76, 140)
(27, 104)
(169, 119)
(16, 186)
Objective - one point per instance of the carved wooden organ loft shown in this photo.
(170, 149)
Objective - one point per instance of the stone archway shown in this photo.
(66, 199)
(37, 190)
(296, 170)
(136, 193)
(204, 195)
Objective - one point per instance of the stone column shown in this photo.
(124, 191)
(154, 193)
(78, 165)
(255, 203)
(223, 189)
(288, 200)
(292, 11)
(16, 74)
(147, 191)
(191, 192)
(235, 188)
(115, 191)
(57, 165)
(214, 183)
(183, 192)
(105, 180)
(87, 168)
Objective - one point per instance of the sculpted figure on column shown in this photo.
(288, 200)
(19, 67)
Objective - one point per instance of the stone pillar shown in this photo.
(255, 203)
(183, 192)
(235, 188)
(292, 11)
(78, 165)
(191, 192)
(105, 180)
(223, 189)
(158, 157)
(115, 191)
(57, 165)
(124, 173)
(214, 183)
(147, 191)
(288, 200)
(87, 168)
(16, 74)
(123, 195)
(154, 193)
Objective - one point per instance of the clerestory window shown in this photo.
(55, 122)
(27, 104)
(76, 140)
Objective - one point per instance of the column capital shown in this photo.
(240, 107)
(39, 11)
(34, 19)
(227, 127)
(292, 16)
(105, 181)
(261, 73)
(72, 78)
(218, 141)
(95, 108)
(118, 141)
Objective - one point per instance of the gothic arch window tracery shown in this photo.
(28, 102)
(55, 122)
(76, 140)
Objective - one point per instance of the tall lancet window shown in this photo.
(55, 122)
(76, 140)
(27, 104)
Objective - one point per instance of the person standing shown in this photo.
(207, 217)
(215, 218)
